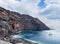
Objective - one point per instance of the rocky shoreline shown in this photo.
(16, 41)
(12, 23)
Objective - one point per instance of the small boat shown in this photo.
(50, 34)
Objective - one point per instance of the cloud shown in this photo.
(49, 14)
(23, 6)
(52, 13)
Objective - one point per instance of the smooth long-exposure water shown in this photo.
(43, 37)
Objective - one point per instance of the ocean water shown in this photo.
(42, 37)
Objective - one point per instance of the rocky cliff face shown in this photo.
(14, 22)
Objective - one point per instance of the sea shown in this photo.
(42, 37)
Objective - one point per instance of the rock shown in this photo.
(5, 29)
(13, 22)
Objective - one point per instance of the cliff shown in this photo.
(13, 22)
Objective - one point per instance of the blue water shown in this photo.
(43, 37)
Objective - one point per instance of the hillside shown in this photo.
(13, 22)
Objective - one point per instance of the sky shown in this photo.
(48, 11)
